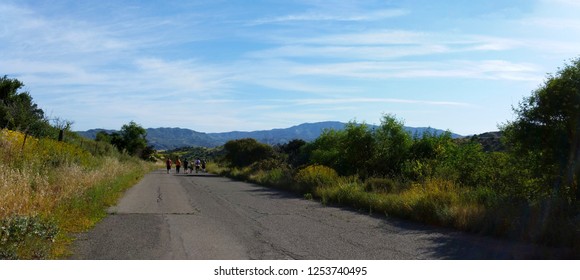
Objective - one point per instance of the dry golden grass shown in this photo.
(37, 178)
(61, 183)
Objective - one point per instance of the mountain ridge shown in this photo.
(167, 138)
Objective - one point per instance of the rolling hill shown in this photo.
(170, 138)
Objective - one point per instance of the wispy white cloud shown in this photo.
(325, 16)
(381, 45)
(78, 57)
(350, 52)
(282, 77)
(337, 101)
(484, 69)
(182, 76)
(384, 54)
(375, 37)
(403, 39)
(37, 36)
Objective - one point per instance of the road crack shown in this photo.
(159, 195)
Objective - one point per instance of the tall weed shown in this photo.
(431, 201)
(312, 177)
(41, 177)
(384, 185)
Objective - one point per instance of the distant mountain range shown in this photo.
(171, 138)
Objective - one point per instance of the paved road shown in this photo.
(168, 216)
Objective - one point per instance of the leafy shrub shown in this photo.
(383, 185)
(417, 170)
(325, 150)
(26, 235)
(431, 145)
(482, 196)
(315, 176)
(278, 177)
(244, 152)
(392, 147)
(347, 192)
(294, 152)
(464, 163)
(267, 164)
(432, 200)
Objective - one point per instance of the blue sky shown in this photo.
(216, 66)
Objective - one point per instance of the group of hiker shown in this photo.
(188, 167)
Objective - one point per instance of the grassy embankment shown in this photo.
(435, 201)
(50, 190)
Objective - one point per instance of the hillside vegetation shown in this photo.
(175, 138)
(526, 189)
(51, 189)
(53, 183)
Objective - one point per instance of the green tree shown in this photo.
(357, 148)
(347, 151)
(431, 145)
(18, 112)
(464, 163)
(325, 150)
(103, 136)
(546, 132)
(294, 151)
(133, 138)
(426, 153)
(392, 144)
(243, 152)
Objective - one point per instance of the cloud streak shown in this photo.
(339, 101)
(325, 16)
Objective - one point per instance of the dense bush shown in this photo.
(384, 185)
(326, 150)
(26, 237)
(294, 152)
(315, 176)
(243, 152)
(280, 177)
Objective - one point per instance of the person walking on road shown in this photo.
(177, 165)
(197, 165)
(168, 164)
(185, 165)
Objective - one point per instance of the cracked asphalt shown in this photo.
(201, 216)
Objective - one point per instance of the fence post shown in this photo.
(24, 142)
